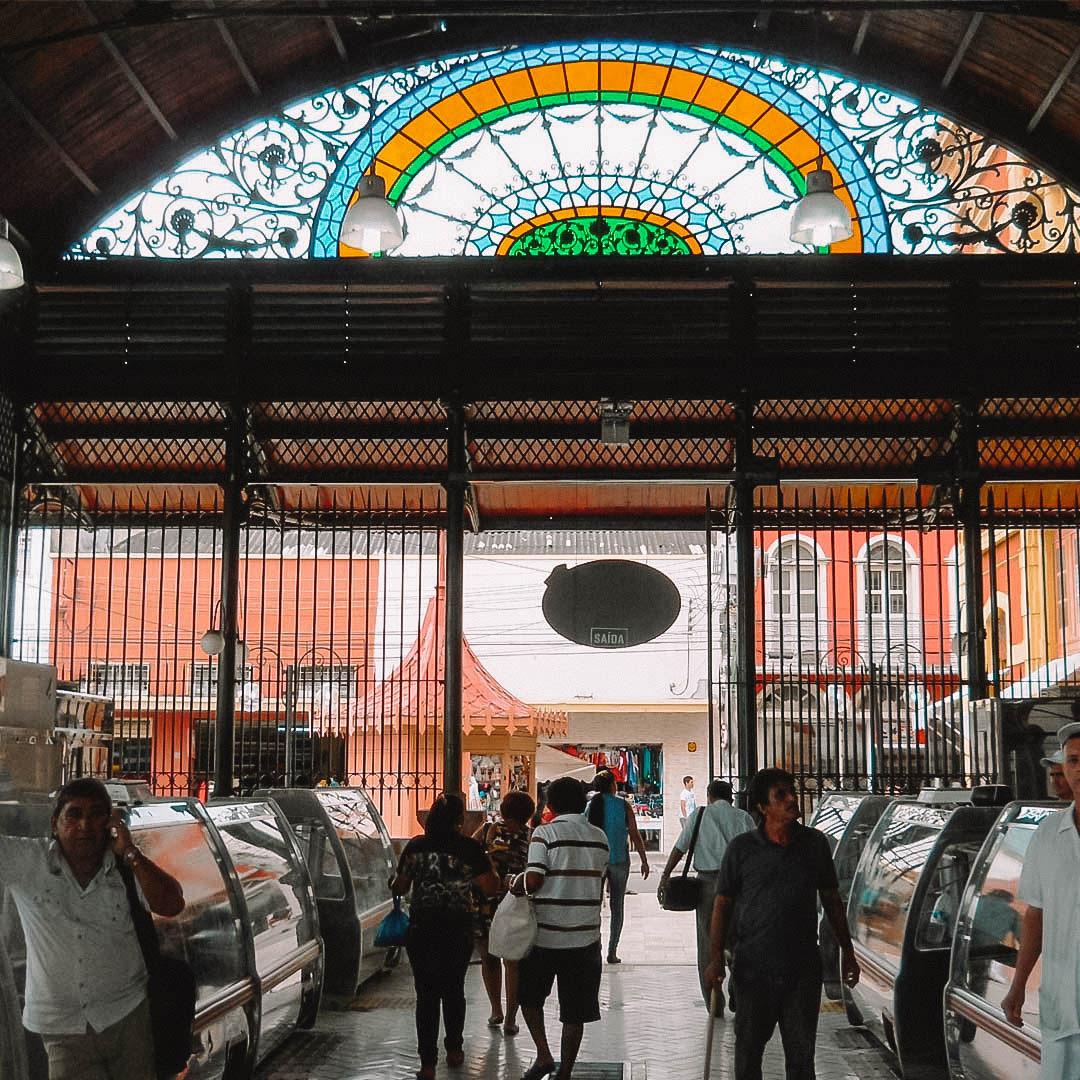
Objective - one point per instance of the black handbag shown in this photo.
(682, 893)
(171, 990)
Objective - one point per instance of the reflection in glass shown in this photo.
(996, 924)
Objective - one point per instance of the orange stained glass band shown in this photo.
(655, 81)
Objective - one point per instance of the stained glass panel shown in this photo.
(596, 147)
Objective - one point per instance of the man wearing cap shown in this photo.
(1051, 926)
(1059, 786)
(85, 975)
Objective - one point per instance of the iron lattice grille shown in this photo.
(338, 441)
(329, 605)
(8, 435)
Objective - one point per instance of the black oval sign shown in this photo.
(610, 603)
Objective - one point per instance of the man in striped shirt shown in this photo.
(567, 860)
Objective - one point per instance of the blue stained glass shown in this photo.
(278, 188)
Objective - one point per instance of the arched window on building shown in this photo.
(796, 625)
(891, 634)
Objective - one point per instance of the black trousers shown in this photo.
(439, 953)
(793, 1002)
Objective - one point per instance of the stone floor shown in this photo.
(653, 1025)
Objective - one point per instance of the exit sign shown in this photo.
(609, 637)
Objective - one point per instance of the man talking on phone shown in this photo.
(85, 975)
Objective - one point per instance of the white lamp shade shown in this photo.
(820, 218)
(213, 641)
(371, 223)
(11, 269)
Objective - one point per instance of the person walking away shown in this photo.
(770, 881)
(613, 814)
(721, 822)
(440, 868)
(506, 843)
(85, 975)
(1051, 927)
(567, 861)
(687, 800)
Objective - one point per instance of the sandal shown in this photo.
(494, 1021)
(510, 1029)
(538, 1071)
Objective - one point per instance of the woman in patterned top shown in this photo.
(507, 844)
(441, 867)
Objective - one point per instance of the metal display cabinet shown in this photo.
(350, 859)
(902, 911)
(210, 934)
(980, 1043)
(286, 951)
(846, 818)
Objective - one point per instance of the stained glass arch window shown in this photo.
(596, 148)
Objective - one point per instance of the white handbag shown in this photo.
(513, 927)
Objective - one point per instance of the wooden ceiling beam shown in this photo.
(961, 50)
(236, 54)
(129, 72)
(1055, 89)
(48, 138)
(860, 34)
(335, 35)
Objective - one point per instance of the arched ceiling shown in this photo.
(102, 95)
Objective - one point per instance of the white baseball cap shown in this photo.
(1056, 758)
(1069, 731)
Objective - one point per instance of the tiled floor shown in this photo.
(653, 1024)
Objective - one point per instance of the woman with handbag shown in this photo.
(615, 816)
(506, 843)
(441, 867)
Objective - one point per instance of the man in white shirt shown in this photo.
(1051, 927)
(687, 800)
(721, 822)
(567, 860)
(85, 975)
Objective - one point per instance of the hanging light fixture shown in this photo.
(371, 223)
(820, 217)
(213, 641)
(11, 268)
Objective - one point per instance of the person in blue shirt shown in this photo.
(615, 816)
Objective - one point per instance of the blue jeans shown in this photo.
(792, 1001)
(617, 876)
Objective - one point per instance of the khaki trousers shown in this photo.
(123, 1051)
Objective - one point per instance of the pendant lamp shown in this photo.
(820, 217)
(371, 223)
(11, 268)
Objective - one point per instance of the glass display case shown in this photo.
(281, 915)
(350, 859)
(903, 907)
(981, 1044)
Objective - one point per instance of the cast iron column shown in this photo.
(970, 484)
(456, 488)
(231, 522)
(745, 649)
(9, 534)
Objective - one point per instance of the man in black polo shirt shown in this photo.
(769, 882)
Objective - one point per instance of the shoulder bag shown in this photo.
(171, 990)
(682, 893)
(513, 927)
(391, 931)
